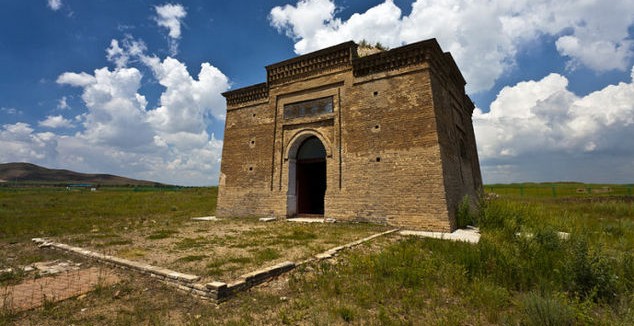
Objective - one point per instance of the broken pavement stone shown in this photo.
(205, 218)
(267, 219)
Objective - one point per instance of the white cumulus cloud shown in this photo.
(540, 130)
(56, 121)
(117, 132)
(55, 4)
(186, 101)
(116, 112)
(20, 143)
(305, 19)
(62, 103)
(170, 16)
(74, 79)
(483, 37)
(312, 23)
(168, 143)
(120, 53)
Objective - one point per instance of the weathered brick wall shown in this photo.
(474, 160)
(392, 141)
(245, 175)
(457, 143)
(392, 170)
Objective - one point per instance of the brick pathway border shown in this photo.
(35, 292)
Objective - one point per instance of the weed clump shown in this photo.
(464, 216)
(541, 311)
(592, 275)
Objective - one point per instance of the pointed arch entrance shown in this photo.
(307, 178)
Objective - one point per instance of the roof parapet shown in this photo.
(247, 94)
(330, 58)
(344, 56)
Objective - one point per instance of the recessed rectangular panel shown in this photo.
(309, 108)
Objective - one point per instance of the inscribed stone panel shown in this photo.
(308, 108)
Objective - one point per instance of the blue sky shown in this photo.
(133, 87)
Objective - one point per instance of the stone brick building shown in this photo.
(385, 137)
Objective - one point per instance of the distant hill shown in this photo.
(34, 174)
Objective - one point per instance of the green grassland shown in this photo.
(521, 272)
(32, 212)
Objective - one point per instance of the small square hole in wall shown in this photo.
(375, 93)
(254, 115)
(378, 159)
(252, 143)
(251, 169)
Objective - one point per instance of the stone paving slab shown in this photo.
(305, 220)
(205, 218)
(33, 293)
(267, 219)
(471, 235)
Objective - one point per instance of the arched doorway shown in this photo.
(310, 177)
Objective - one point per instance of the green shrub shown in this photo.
(9, 277)
(627, 268)
(503, 217)
(614, 229)
(592, 275)
(345, 313)
(464, 216)
(541, 311)
(488, 297)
